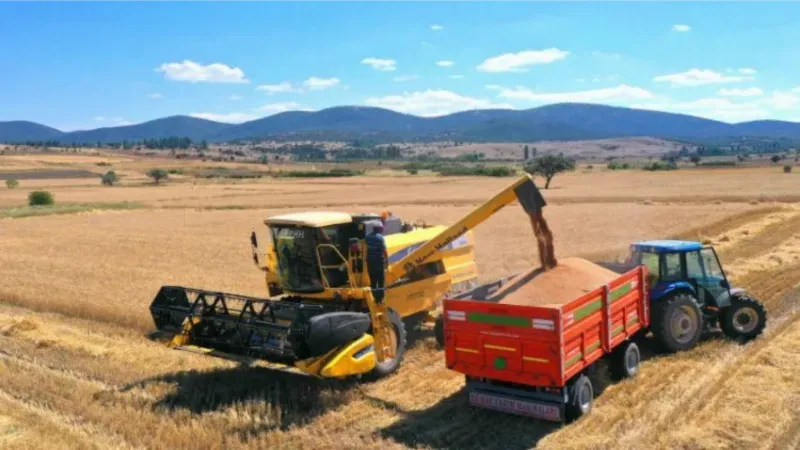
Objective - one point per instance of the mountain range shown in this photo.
(563, 121)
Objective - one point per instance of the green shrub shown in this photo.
(616, 165)
(175, 171)
(719, 163)
(412, 171)
(660, 165)
(110, 178)
(12, 183)
(480, 171)
(40, 198)
(787, 169)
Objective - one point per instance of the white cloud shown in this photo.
(402, 78)
(123, 123)
(235, 97)
(432, 103)
(384, 65)
(437, 27)
(275, 108)
(197, 73)
(278, 88)
(743, 92)
(445, 63)
(712, 108)
(99, 118)
(699, 77)
(783, 100)
(115, 121)
(519, 62)
(455, 77)
(681, 28)
(226, 118)
(620, 93)
(155, 95)
(315, 83)
(747, 71)
(493, 87)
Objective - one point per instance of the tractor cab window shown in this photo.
(671, 269)
(651, 261)
(711, 264)
(694, 266)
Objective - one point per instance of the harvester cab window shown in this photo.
(297, 260)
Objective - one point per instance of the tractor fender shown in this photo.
(724, 299)
(661, 290)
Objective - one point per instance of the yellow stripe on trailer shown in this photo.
(499, 347)
(533, 359)
(466, 350)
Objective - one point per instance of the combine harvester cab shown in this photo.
(534, 360)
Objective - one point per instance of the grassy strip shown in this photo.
(73, 208)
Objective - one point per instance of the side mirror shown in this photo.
(253, 240)
(725, 284)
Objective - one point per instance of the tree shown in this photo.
(775, 159)
(110, 178)
(695, 159)
(157, 175)
(787, 169)
(548, 166)
(39, 198)
(12, 183)
(526, 152)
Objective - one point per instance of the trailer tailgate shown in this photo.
(504, 342)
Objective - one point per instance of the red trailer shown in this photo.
(533, 360)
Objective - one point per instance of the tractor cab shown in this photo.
(683, 265)
(689, 292)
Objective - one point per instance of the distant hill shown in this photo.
(21, 130)
(182, 126)
(563, 121)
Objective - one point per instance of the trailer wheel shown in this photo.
(625, 360)
(744, 319)
(398, 333)
(438, 330)
(677, 322)
(581, 398)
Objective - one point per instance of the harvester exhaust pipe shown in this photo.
(533, 203)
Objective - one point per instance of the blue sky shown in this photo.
(88, 65)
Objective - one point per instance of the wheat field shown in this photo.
(77, 369)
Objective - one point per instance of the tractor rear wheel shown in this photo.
(398, 335)
(744, 319)
(580, 398)
(677, 322)
(625, 360)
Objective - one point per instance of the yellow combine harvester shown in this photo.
(321, 317)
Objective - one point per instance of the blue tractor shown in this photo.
(689, 292)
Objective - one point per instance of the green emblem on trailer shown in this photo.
(499, 363)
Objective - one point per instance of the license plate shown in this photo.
(514, 406)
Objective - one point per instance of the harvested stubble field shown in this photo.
(77, 369)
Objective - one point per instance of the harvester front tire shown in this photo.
(625, 360)
(677, 322)
(745, 319)
(388, 367)
(580, 398)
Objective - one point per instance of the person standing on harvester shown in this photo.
(376, 260)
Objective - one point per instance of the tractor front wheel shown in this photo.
(744, 319)
(677, 322)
